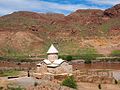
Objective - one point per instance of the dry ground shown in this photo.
(91, 86)
(81, 86)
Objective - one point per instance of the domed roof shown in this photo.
(52, 49)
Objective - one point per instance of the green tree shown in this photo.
(88, 57)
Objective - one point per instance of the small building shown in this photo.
(52, 64)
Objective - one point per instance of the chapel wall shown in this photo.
(52, 57)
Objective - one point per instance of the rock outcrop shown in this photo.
(113, 12)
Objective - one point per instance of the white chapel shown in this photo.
(53, 64)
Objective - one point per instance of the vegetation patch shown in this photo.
(70, 82)
(115, 53)
(87, 54)
(9, 73)
(15, 88)
(69, 58)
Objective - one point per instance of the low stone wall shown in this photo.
(51, 77)
(95, 79)
(94, 76)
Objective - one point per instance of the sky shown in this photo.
(53, 6)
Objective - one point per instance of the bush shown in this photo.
(87, 61)
(69, 58)
(70, 82)
(88, 57)
(66, 57)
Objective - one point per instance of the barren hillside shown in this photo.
(26, 32)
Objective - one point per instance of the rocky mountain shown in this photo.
(26, 32)
(113, 12)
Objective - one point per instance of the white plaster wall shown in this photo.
(52, 57)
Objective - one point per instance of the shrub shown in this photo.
(69, 58)
(70, 82)
(66, 57)
(87, 61)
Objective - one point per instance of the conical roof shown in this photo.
(52, 49)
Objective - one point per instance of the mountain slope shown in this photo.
(26, 32)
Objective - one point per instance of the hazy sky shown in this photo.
(55, 6)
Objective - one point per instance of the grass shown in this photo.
(18, 88)
(51, 27)
(9, 73)
(11, 52)
(68, 47)
(77, 52)
(20, 22)
(105, 27)
(16, 59)
(70, 82)
(87, 54)
(14, 87)
(67, 51)
(115, 53)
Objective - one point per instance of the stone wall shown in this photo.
(63, 68)
(94, 76)
(52, 57)
(41, 69)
